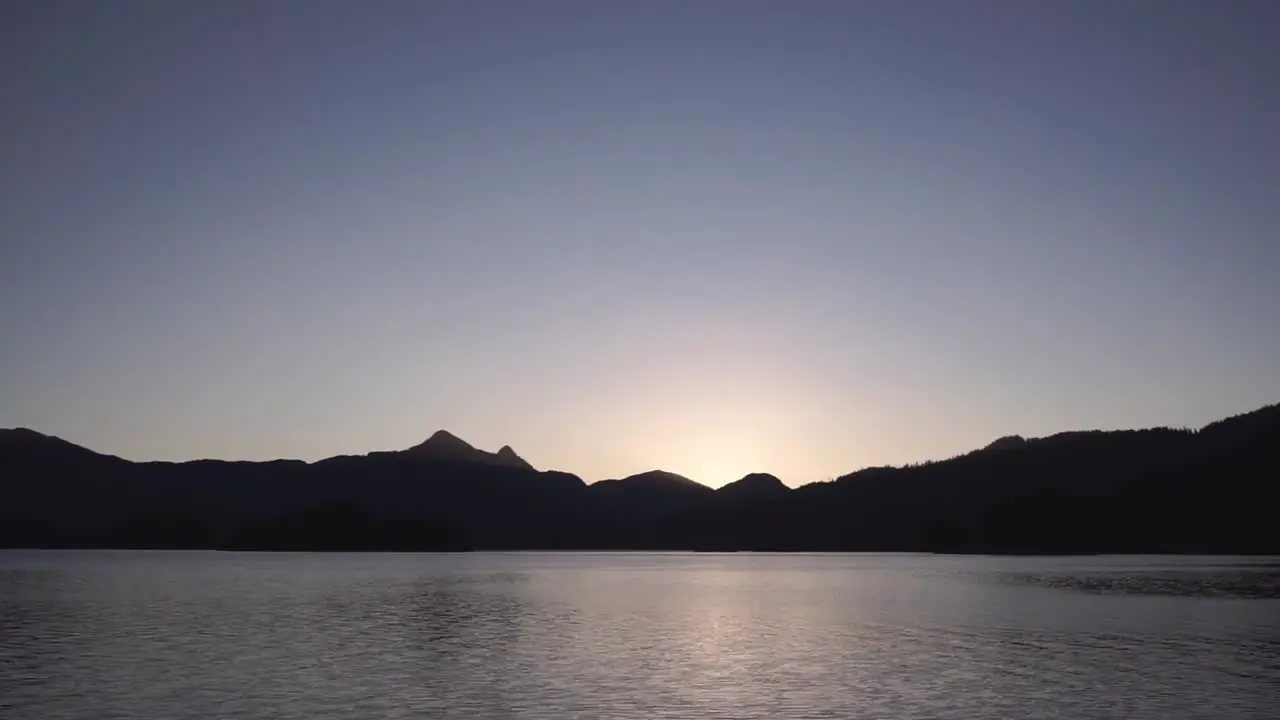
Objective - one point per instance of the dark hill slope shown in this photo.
(1215, 490)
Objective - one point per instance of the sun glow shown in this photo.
(722, 461)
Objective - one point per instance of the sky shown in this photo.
(711, 237)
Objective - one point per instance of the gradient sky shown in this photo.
(708, 237)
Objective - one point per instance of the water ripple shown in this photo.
(529, 636)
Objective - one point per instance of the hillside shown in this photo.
(1216, 490)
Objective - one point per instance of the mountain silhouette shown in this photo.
(1008, 442)
(443, 445)
(1161, 490)
(507, 456)
(653, 482)
(27, 443)
(754, 486)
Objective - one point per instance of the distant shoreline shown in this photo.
(1160, 491)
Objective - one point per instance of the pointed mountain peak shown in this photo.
(443, 443)
(507, 456)
(442, 437)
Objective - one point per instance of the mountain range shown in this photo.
(1161, 490)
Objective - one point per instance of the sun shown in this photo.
(719, 461)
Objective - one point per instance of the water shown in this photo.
(525, 635)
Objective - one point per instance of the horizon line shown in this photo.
(903, 466)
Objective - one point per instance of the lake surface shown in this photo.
(583, 635)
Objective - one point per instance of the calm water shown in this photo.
(222, 635)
